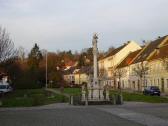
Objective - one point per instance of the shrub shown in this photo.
(38, 99)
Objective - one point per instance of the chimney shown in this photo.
(157, 51)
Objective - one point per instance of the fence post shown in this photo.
(71, 100)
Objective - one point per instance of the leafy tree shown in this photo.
(11, 67)
(54, 74)
(86, 57)
(19, 74)
(81, 61)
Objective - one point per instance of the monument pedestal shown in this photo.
(94, 91)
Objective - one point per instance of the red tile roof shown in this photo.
(70, 63)
(129, 59)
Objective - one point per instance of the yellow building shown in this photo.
(150, 61)
(158, 71)
(82, 75)
(78, 75)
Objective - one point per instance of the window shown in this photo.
(154, 88)
(133, 82)
(3, 86)
(123, 83)
(158, 82)
(109, 82)
(151, 82)
(146, 83)
(154, 83)
(73, 78)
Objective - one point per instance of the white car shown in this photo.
(5, 88)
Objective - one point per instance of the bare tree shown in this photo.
(141, 71)
(6, 45)
(21, 53)
(119, 73)
(101, 72)
(111, 49)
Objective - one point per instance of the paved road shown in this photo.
(144, 113)
(158, 110)
(129, 114)
(71, 116)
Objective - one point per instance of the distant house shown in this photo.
(158, 66)
(3, 78)
(77, 76)
(83, 75)
(109, 63)
(69, 76)
(68, 72)
(70, 64)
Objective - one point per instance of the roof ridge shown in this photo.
(113, 51)
(159, 46)
(140, 52)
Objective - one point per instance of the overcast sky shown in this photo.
(70, 24)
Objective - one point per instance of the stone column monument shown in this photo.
(94, 91)
(95, 53)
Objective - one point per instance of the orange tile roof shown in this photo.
(70, 63)
(128, 60)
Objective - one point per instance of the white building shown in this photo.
(108, 63)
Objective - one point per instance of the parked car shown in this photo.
(5, 88)
(152, 90)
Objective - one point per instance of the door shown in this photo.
(133, 83)
(162, 84)
(139, 87)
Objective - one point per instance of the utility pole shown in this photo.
(46, 69)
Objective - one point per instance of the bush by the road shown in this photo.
(139, 97)
(31, 97)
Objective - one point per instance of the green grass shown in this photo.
(139, 97)
(72, 91)
(32, 97)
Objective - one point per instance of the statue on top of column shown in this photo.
(95, 37)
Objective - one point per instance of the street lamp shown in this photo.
(46, 69)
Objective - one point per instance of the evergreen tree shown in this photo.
(34, 72)
(34, 57)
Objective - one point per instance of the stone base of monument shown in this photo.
(79, 100)
(76, 100)
(95, 96)
(97, 103)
